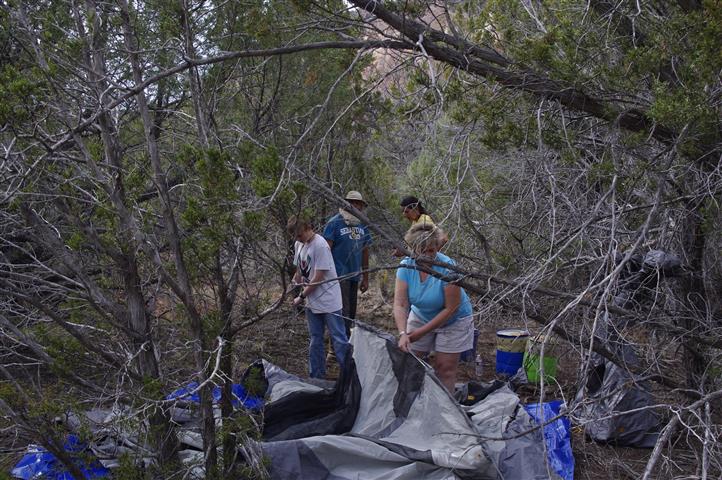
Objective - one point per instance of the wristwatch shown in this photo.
(302, 296)
(402, 332)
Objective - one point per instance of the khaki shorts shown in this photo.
(455, 338)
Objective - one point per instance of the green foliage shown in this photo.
(250, 473)
(602, 172)
(299, 188)
(52, 403)
(239, 427)
(20, 92)
(239, 423)
(153, 388)
(266, 168)
(10, 395)
(253, 220)
(67, 352)
(302, 5)
(254, 383)
(512, 148)
(710, 212)
(410, 8)
(421, 171)
(678, 109)
(208, 213)
(212, 323)
(130, 469)
(497, 111)
(380, 179)
(75, 241)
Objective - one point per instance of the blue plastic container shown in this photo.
(510, 348)
(470, 355)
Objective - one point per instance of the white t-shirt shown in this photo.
(316, 256)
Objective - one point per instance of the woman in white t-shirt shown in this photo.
(316, 273)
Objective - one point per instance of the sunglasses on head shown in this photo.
(408, 207)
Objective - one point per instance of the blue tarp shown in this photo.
(556, 437)
(189, 392)
(39, 463)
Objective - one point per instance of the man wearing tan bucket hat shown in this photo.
(349, 240)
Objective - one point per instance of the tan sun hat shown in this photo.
(354, 195)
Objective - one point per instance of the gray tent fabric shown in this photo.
(608, 389)
(409, 427)
(303, 413)
(343, 458)
(397, 423)
(282, 383)
(500, 415)
(402, 404)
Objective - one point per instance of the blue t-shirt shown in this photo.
(427, 297)
(348, 243)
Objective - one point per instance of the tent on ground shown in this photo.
(387, 417)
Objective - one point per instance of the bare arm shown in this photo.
(401, 313)
(365, 269)
(309, 287)
(313, 283)
(297, 279)
(401, 304)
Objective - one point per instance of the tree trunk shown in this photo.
(181, 282)
(694, 293)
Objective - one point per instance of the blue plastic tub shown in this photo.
(510, 348)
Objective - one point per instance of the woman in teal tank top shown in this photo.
(430, 313)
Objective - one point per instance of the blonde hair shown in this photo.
(423, 235)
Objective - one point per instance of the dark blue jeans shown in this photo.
(317, 322)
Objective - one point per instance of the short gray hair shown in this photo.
(422, 235)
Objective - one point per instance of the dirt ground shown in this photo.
(284, 341)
